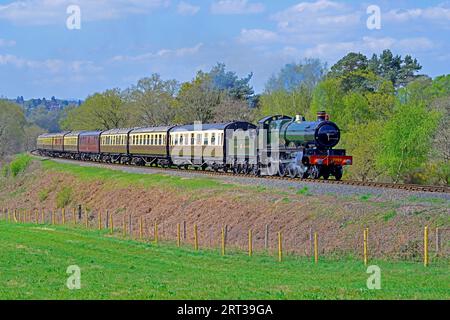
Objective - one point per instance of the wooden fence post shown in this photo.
(86, 219)
(280, 247)
(184, 230)
(438, 241)
(63, 214)
(130, 226)
(53, 217)
(111, 224)
(195, 237)
(250, 243)
(425, 247)
(316, 247)
(9, 216)
(266, 238)
(141, 227)
(223, 241)
(15, 216)
(155, 233)
(107, 220)
(42, 216)
(365, 246)
(99, 220)
(74, 217)
(36, 216)
(124, 226)
(178, 235)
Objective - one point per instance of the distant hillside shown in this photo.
(45, 113)
(49, 104)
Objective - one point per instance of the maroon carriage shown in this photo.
(89, 144)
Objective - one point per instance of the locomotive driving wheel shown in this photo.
(282, 170)
(338, 173)
(314, 172)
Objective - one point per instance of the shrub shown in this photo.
(19, 164)
(5, 171)
(64, 197)
(43, 195)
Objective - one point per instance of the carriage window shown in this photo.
(199, 139)
(205, 139)
(221, 139)
(192, 139)
(213, 139)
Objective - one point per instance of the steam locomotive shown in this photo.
(277, 145)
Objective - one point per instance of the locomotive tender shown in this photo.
(278, 145)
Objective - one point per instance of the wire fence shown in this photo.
(423, 244)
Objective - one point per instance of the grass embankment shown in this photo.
(34, 261)
(126, 178)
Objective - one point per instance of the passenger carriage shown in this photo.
(71, 147)
(150, 145)
(114, 145)
(207, 145)
(89, 145)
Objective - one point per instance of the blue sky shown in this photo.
(121, 41)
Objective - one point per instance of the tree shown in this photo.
(101, 111)
(362, 142)
(230, 83)
(31, 133)
(406, 140)
(361, 74)
(152, 102)
(230, 109)
(394, 68)
(12, 122)
(286, 103)
(290, 92)
(328, 96)
(295, 75)
(197, 100)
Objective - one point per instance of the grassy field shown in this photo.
(34, 260)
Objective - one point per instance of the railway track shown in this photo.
(396, 186)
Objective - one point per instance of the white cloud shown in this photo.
(163, 53)
(313, 14)
(7, 43)
(44, 12)
(187, 9)
(53, 66)
(257, 36)
(236, 7)
(369, 45)
(439, 14)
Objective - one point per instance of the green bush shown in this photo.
(64, 197)
(19, 164)
(5, 170)
(43, 195)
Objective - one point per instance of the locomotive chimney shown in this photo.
(321, 116)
